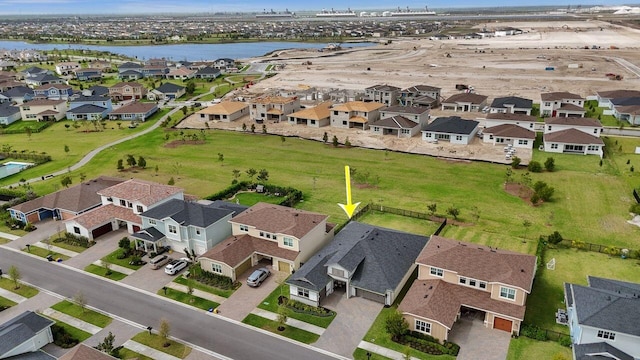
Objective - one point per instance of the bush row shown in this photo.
(62, 338)
(302, 308)
(211, 279)
(429, 344)
(35, 128)
(75, 240)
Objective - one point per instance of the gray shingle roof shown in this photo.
(406, 109)
(187, 213)
(518, 102)
(18, 91)
(130, 72)
(596, 351)
(99, 90)
(452, 125)
(44, 77)
(21, 328)
(627, 101)
(169, 88)
(8, 110)
(87, 109)
(236, 208)
(130, 65)
(36, 355)
(90, 98)
(207, 70)
(148, 234)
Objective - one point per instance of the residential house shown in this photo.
(87, 112)
(85, 352)
(384, 94)
(398, 126)
(573, 141)
(135, 111)
(284, 237)
(355, 114)
(97, 100)
(526, 121)
(561, 104)
(416, 113)
(627, 109)
(66, 68)
(154, 71)
(130, 75)
(121, 206)
(207, 72)
(181, 73)
(63, 204)
(33, 71)
(362, 260)
(456, 278)
(183, 225)
(603, 319)
(272, 108)
(9, 114)
(97, 90)
(225, 111)
(511, 104)
(127, 91)
(316, 116)
(42, 79)
(25, 334)
(156, 62)
(224, 63)
(605, 97)
(101, 64)
(53, 91)
(8, 84)
(43, 110)
(465, 102)
(424, 95)
(88, 74)
(129, 66)
(509, 134)
(453, 129)
(587, 125)
(18, 94)
(167, 91)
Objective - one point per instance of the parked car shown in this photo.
(159, 261)
(175, 266)
(258, 276)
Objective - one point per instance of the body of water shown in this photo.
(190, 52)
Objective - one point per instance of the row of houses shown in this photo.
(185, 70)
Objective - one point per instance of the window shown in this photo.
(344, 123)
(490, 137)
(130, 205)
(483, 285)
(437, 272)
(109, 199)
(458, 138)
(595, 131)
(406, 131)
(76, 230)
(507, 293)
(123, 203)
(423, 327)
(462, 280)
(173, 229)
(303, 292)
(472, 282)
(606, 335)
(244, 228)
(592, 148)
(261, 233)
(335, 113)
(375, 128)
(197, 231)
(152, 221)
(554, 146)
(427, 135)
(523, 142)
(288, 241)
(139, 208)
(216, 268)
(549, 127)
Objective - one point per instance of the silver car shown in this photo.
(257, 277)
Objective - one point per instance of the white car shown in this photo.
(175, 266)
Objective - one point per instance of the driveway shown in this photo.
(475, 339)
(149, 279)
(354, 318)
(44, 229)
(105, 245)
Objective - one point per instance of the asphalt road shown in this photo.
(193, 326)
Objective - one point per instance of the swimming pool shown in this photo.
(13, 167)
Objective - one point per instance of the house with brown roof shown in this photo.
(84, 352)
(587, 125)
(467, 102)
(272, 108)
(509, 134)
(355, 114)
(397, 125)
(317, 116)
(127, 91)
(282, 237)
(181, 73)
(134, 111)
(561, 104)
(573, 141)
(63, 204)
(121, 206)
(457, 278)
(226, 111)
(525, 121)
(43, 110)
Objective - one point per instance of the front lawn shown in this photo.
(154, 341)
(24, 290)
(191, 300)
(86, 315)
(113, 259)
(43, 253)
(524, 348)
(128, 354)
(361, 354)
(270, 303)
(76, 333)
(251, 198)
(203, 287)
(291, 332)
(100, 270)
(6, 303)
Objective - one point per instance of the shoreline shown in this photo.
(173, 43)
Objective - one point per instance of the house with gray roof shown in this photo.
(42, 79)
(25, 334)
(207, 72)
(467, 102)
(183, 225)
(362, 260)
(18, 94)
(384, 94)
(96, 90)
(166, 91)
(453, 129)
(87, 112)
(398, 126)
(416, 113)
(420, 95)
(511, 104)
(603, 318)
(9, 114)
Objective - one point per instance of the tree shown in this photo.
(28, 131)
(283, 139)
(221, 158)
(171, 182)
(347, 143)
(325, 137)
(550, 164)
(283, 315)
(432, 208)
(396, 325)
(475, 213)
(165, 330)
(66, 149)
(236, 175)
(508, 176)
(120, 166)
(264, 128)
(244, 127)
(554, 238)
(80, 300)
(83, 176)
(142, 162)
(534, 167)
(527, 224)
(66, 181)
(335, 141)
(184, 110)
(251, 173)
(131, 161)
(543, 191)
(515, 162)
(106, 346)
(124, 243)
(14, 275)
(263, 175)
(190, 88)
(253, 128)
(453, 211)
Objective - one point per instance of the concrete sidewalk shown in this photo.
(196, 292)
(291, 322)
(75, 322)
(12, 296)
(54, 248)
(147, 351)
(391, 354)
(9, 236)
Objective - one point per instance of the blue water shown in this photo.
(190, 52)
(11, 168)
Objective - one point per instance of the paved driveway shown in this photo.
(477, 341)
(354, 318)
(105, 245)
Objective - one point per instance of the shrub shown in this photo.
(534, 167)
(307, 309)
(62, 338)
(212, 279)
(396, 325)
(550, 164)
(515, 162)
(635, 208)
(533, 332)
(565, 341)
(76, 240)
(555, 238)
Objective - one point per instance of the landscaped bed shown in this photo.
(223, 285)
(67, 336)
(203, 287)
(251, 198)
(289, 331)
(23, 290)
(6, 303)
(270, 303)
(86, 315)
(191, 300)
(175, 348)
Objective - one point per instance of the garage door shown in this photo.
(284, 266)
(502, 324)
(370, 295)
(246, 265)
(101, 230)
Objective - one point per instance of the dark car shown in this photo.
(257, 277)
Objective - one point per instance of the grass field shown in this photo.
(86, 315)
(524, 348)
(70, 247)
(361, 354)
(291, 332)
(24, 290)
(398, 222)
(252, 198)
(112, 258)
(176, 349)
(101, 271)
(270, 303)
(128, 354)
(38, 251)
(191, 300)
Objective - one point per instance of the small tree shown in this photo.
(120, 165)
(432, 208)
(131, 161)
(236, 175)
(184, 110)
(534, 167)
(325, 137)
(171, 182)
(66, 149)
(164, 332)
(347, 143)
(124, 243)
(550, 164)
(253, 128)
(14, 275)
(554, 238)
(453, 211)
(283, 315)
(107, 267)
(263, 175)
(264, 128)
(221, 158)
(66, 181)
(508, 176)
(244, 127)
(106, 346)
(515, 162)
(156, 169)
(475, 213)
(335, 141)
(251, 173)
(527, 224)
(282, 139)
(396, 325)
(142, 162)
(80, 300)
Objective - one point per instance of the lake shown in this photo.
(190, 52)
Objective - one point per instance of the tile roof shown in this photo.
(561, 95)
(517, 102)
(572, 136)
(318, 112)
(416, 110)
(452, 125)
(395, 122)
(512, 117)
(21, 328)
(465, 98)
(146, 192)
(84, 352)
(441, 301)
(573, 121)
(510, 130)
(182, 71)
(135, 108)
(621, 93)
(480, 262)
(358, 106)
(279, 219)
(104, 214)
(187, 213)
(235, 249)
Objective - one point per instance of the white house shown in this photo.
(509, 134)
(511, 104)
(25, 334)
(573, 141)
(526, 121)
(587, 125)
(553, 102)
(452, 129)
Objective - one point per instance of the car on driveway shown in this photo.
(257, 277)
(175, 266)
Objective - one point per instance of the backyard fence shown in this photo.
(604, 249)
(537, 333)
(385, 209)
(636, 196)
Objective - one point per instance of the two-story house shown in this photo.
(317, 116)
(22, 337)
(424, 95)
(188, 225)
(467, 102)
(355, 114)
(511, 104)
(577, 135)
(225, 111)
(42, 79)
(127, 91)
(362, 260)
(18, 94)
(272, 108)
(401, 121)
(561, 104)
(526, 121)
(384, 94)
(53, 91)
(92, 107)
(282, 236)
(121, 206)
(457, 278)
(603, 319)
(166, 91)
(130, 71)
(224, 63)
(66, 68)
(43, 110)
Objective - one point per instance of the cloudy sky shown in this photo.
(27, 7)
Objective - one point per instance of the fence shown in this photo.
(385, 209)
(604, 249)
(548, 334)
(635, 195)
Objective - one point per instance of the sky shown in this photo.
(29, 7)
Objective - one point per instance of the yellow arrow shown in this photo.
(349, 208)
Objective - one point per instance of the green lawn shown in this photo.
(70, 247)
(128, 354)
(100, 270)
(113, 259)
(86, 315)
(24, 290)
(4, 302)
(76, 333)
(38, 251)
(252, 198)
(185, 298)
(176, 349)
(4, 241)
(361, 354)
(399, 222)
(289, 331)
(524, 348)
(270, 303)
(572, 266)
(203, 287)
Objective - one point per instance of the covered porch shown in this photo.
(148, 240)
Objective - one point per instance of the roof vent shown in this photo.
(438, 246)
(522, 270)
(430, 287)
(426, 296)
